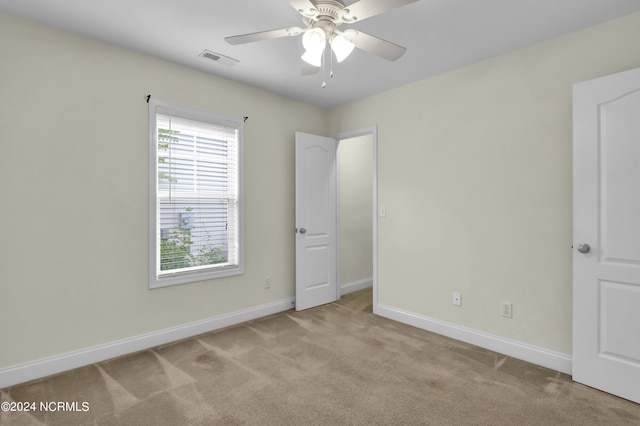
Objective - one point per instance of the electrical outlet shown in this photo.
(457, 298)
(507, 309)
(267, 282)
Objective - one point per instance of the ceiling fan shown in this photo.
(322, 19)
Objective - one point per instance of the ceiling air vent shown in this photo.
(221, 59)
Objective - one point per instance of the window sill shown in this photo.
(185, 277)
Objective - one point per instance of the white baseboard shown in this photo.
(546, 358)
(25, 372)
(356, 285)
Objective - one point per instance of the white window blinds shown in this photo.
(197, 196)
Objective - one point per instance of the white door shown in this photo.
(316, 219)
(606, 258)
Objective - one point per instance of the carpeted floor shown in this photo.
(337, 364)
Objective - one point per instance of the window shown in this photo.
(195, 195)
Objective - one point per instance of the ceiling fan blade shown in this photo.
(308, 69)
(263, 35)
(374, 45)
(304, 8)
(364, 9)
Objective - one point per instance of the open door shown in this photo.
(606, 258)
(316, 221)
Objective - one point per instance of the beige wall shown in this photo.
(355, 165)
(474, 168)
(73, 184)
(475, 172)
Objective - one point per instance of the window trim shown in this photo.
(157, 106)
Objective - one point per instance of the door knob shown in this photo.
(584, 248)
(303, 231)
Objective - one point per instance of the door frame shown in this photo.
(373, 132)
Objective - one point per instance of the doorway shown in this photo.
(357, 207)
(320, 276)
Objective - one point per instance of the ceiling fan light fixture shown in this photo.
(314, 40)
(313, 57)
(341, 47)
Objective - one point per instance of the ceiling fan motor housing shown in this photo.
(329, 11)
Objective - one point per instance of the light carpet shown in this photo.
(336, 364)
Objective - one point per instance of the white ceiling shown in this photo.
(440, 35)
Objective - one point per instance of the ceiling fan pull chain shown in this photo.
(331, 69)
(324, 73)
